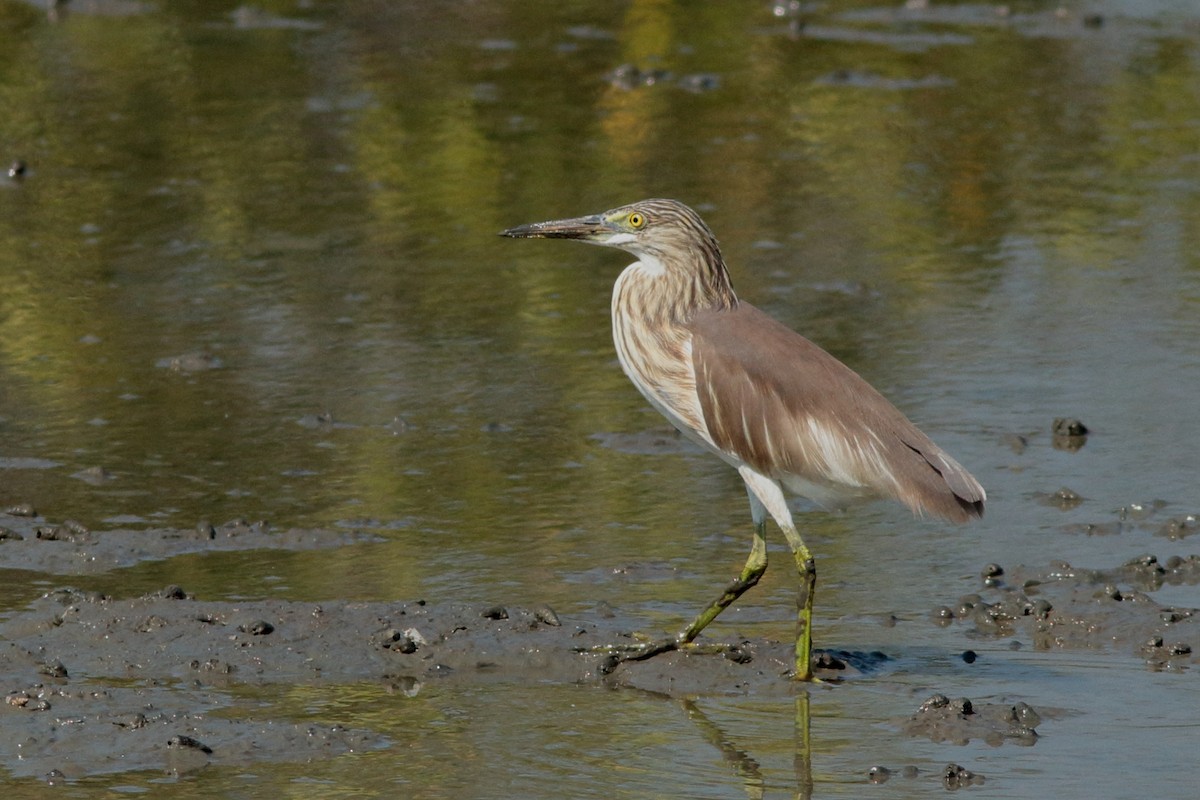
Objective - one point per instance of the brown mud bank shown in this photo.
(97, 684)
(1064, 607)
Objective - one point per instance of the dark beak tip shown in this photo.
(519, 232)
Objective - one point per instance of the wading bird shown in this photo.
(770, 403)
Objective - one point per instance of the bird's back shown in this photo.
(776, 401)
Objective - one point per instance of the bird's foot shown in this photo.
(616, 654)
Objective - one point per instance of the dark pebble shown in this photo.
(257, 628)
(1067, 426)
(955, 777)
(53, 669)
(878, 774)
(827, 660)
(935, 701)
(495, 612)
(738, 655)
(187, 742)
(545, 614)
(969, 656)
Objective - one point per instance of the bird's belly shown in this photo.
(827, 495)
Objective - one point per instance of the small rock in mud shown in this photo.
(546, 615)
(1067, 426)
(494, 612)
(956, 777)
(1068, 434)
(22, 510)
(1064, 499)
(188, 743)
(991, 574)
(53, 669)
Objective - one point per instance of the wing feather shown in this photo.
(780, 403)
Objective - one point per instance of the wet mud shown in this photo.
(33, 543)
(1063, 607)
(96, 684)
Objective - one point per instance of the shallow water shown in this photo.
(251, 270)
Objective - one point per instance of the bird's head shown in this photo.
(663, 230)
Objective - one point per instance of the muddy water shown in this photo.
(250, 271)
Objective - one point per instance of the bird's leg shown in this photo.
(806, 567)
(766, 497)
(756, 565)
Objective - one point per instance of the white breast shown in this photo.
(659, 366)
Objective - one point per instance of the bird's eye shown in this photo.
(637, 220)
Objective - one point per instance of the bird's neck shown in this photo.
(672, 293)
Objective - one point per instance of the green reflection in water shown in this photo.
(982, 216)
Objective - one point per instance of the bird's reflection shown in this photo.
(743, 764)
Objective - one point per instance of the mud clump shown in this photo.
(960, 721)
(1063, 607)
(1068, 433)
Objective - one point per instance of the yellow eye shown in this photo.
(636, 220)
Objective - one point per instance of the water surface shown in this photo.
(250, 270)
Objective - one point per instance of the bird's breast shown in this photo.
(655, 352)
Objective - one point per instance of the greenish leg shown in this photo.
(766, 497)
(806, 567)
(756, 565)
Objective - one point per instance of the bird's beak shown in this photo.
(593, 228)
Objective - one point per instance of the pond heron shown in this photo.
(776, 407)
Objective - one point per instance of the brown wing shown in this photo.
(793, 412)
